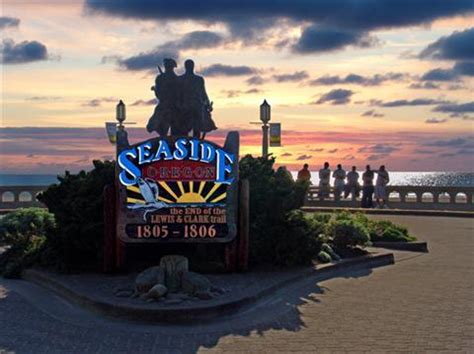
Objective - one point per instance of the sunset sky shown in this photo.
(351, 82)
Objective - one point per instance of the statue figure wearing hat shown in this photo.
(167, 92)
(183, 103)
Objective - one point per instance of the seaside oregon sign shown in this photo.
(178, 189)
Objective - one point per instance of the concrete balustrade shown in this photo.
(13, 197)
(407, 197)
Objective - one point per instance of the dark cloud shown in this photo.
(145, 60)
(461, 142)
(376, 157)
(336, 97)
(23, 52)
(197, 40)
(332, 151)
(414, 102)
(237, 93)
(455, 107)
(317, 149)
(43, 98)
(255, 80)
(361, 15)
(171, 49)
(151, 102)
(372, 113)
(457, 46)
(6, 21)
(427, 85)
(439, 74)
(348, 157)
(295, 77)
(378, 149)
(304, 157)
(97, 102)
(228, 70)
(356, 79)
(286, 154)
(464, 68)
(316, 39)
(435, 120)
(424, 151)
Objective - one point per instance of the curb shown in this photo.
(180, 314)
(410, 212)
(403, 246)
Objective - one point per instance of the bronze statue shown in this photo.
(183, 103)
(196, 105)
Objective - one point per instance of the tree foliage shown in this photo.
(77, 204)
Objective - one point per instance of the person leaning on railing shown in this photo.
(324, 176)
(352, 186)
(339, 176)
(368, 188)
(381, 196)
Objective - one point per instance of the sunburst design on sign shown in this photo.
(192, 192)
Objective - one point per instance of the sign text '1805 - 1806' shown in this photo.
(182, 223)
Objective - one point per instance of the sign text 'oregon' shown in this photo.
(178, 189)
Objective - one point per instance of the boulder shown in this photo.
(174, 267)
(193, 283)
(157, 292)
(149, 278)
(204, 295)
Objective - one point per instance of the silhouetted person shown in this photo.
(324, 176)
(304, 174)
(367, 188)
(196, 104)
(339, 176)
(167, 92)
(352, 186)
(381, 182)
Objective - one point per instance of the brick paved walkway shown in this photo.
(421, 304)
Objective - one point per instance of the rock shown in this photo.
(218, 290)
(174, 267)
(157, 292)
(179, 296)
(173, 301)
(192, 283)
(124, 293)
(149, 278)
(204, 295)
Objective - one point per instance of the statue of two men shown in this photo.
(183, 103)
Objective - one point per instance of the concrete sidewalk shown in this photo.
(96, 291)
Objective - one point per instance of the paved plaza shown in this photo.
(423, 303)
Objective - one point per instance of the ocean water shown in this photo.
(460, 179)
(454, 179)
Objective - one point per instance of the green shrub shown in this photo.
(324, 257)
(277, 237)
(24, 231)
(348, 233)
(77, 204)
(387, 231)
(21, 224)
(298, 244)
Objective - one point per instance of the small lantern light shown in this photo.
(120, 112)
(265, 112)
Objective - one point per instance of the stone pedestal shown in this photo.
(174, 267)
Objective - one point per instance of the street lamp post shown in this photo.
(265, 115)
